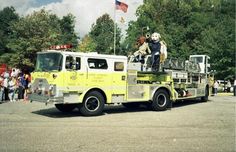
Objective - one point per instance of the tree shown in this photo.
(191, 27)
(36, 32)
(7, 17)
(224, 53)
(87, 44)
(33, 33)
(103, 35)
(68, 35)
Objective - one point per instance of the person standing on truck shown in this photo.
(155, 47)
(216, 85)
(143, 49)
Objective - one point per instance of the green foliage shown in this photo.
(68, 36)
(36, 32)
(7, 17)
(191, 27)
(87, 44)
(32, 34)
(102, 34)
(187, 26)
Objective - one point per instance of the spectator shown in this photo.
(1, 89)
(21, 89)
(12, 87)
(216, 85)
(16, 88)
(5, 90)
(26, 83)
(235, 87)
(13, 73)
(228, 86)
(6, 74)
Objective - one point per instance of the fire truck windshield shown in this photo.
(197, 59)
(49, 62)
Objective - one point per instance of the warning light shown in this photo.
(59, 47)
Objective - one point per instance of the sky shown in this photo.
(85, 11)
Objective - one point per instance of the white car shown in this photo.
(223, 86)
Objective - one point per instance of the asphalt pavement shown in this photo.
(188, 127)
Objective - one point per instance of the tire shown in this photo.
(161, 100)
(93, 104)
(131, 105)
(205, 98)
(65, 107)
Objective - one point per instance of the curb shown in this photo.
(225, 94)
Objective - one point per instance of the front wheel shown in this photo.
(161, 100)
(93, 104)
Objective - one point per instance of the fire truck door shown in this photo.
(74, 77)
(98, 73)
(119, 78)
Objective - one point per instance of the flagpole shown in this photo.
(114, 47)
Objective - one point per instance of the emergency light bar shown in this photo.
(59, 47)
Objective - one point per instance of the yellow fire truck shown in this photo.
(89, 81)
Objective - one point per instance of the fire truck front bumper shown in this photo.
(45, 99)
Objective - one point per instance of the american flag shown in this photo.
(121, 6)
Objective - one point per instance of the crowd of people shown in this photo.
(14, 85)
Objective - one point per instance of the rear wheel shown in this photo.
(161, 100)
(65, 107)
(93, 104)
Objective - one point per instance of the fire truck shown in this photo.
(89, 81)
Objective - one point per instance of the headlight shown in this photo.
(52, 90)
(51, 87)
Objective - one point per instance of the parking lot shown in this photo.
(187, 127)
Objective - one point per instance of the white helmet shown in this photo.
(156, 36)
